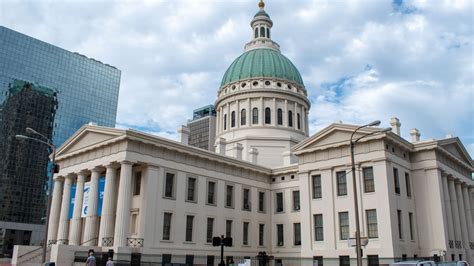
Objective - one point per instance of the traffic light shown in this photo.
(227, 242)
(216, 241)
(56, 168)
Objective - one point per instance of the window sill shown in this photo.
(211, 204)
(166, 241)
(321, 198)
(247, 210)
(229, 207)
(189, 243)
(191, 201)
(282, 212)
(262, 212)
(169, 198)
(369, 193)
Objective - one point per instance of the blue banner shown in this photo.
(84, 205)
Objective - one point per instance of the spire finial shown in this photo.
(261, 4)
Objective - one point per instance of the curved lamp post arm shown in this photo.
(32, 131)
(373, 133)
(374, 123)
(38, 140)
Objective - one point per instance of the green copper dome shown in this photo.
(262, 62)
(262, 13)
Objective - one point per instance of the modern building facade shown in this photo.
(268, 184)
(23, 164)
(202, 128)
(87, 89)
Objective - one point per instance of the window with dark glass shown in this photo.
(298, 120)
(262, 32)
(246, 199)
(279, 202)
(344, 261)
(297, 234)
(189, 228)
(166, 226)
(232, 119)
(261, 234)
(268, 115)
(372, 228)
(169, 183)
(317, 190)
(318, 261)
(256, 32)
(191, 189)
(225, 121)
(296, 200)
(396, 180)
(341, 183)
(243, 117)
(400, 227)
(210, 229)
(255, 115)
(280, 240)
(344, 225)
(245, 230)
(268, 33)
(228, 228)
(408, 184)
(211, 191)
(138, 182)
(410, 220)
(368, 173)
(280, 116)
(290, 118)
(373, 260)
(261, 201)
(229, 197)
(318, 227)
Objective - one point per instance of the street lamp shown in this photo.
(50, 144)
(354, 185)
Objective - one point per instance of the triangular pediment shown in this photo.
(88, 136)
(455, 147)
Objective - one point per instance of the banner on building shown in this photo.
(85, 199)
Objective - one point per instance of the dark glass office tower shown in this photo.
(202, 129)
(87, 89)
(23, 164)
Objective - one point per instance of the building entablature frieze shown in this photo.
(247, 127)
(291, 169)
(339, 144)
(87, 149)
(262, 93)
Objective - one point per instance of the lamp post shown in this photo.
(50, 144)
(354, 185)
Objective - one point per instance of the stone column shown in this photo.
(218, 118)
(147, 215)
(295, 116)
(122, 221)
(285, 114)
(237, 114)
(462, 216)
(53, 222)
(448, 212)
(455, 210)
(64, 216)
(249, 113)
(274, 115)
(107, 222)
(467, 207)
(92, 219)
(228, 117)
(76, 222)
(262, 112)
(303, 119)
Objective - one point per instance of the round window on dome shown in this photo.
(279, 84)
(255, 83)
(233, 87)
(289, 87)
(267, 83)
(243, 85)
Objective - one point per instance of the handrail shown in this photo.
(95, 238)
(29, 252)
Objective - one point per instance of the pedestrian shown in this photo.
(110, 262)
(91, 259)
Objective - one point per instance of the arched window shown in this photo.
(298, 120)
(262, 32)
(268, 115)
(256, 32)
(232, 119)
(243, 117)
(290, 118)
(255, 115)
(225, 121)
(280, 116)
(268, 32)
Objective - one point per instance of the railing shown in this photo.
(451, 244)
(52, 242)
(62, 242)
(135, 242)
(458, 244)
(22, 259)
(471, 245)
(107, 241)
(93, 239)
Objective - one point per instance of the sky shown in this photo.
(361, 60)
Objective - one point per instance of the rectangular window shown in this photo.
(167, 226)
(344, 261)
(396, 180)
(137, 184)
(279, 202)
(297, 234)
(211, 191)
(261, 234)
(318, 261)
(296, 200)
(317, 191)
(410, 220)
(318, 227)
(169, 183)
(400, 228)
(229, 197)
(373, 260)
(372, 227)
(344, 225)
(133, 224)
(408, 184)
(261, 201)
(369, 185)
(191, 189)
(210, 260)
(246, 199)
(280, 235)
(228, 228)
(246, 233)
(189, 228)
(210, 229)
(341, 183)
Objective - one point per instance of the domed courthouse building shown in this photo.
(268, 184)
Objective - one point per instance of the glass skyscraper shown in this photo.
(87, 89)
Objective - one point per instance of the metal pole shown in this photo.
(356, 208)
(48, 206)
(222, 251)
